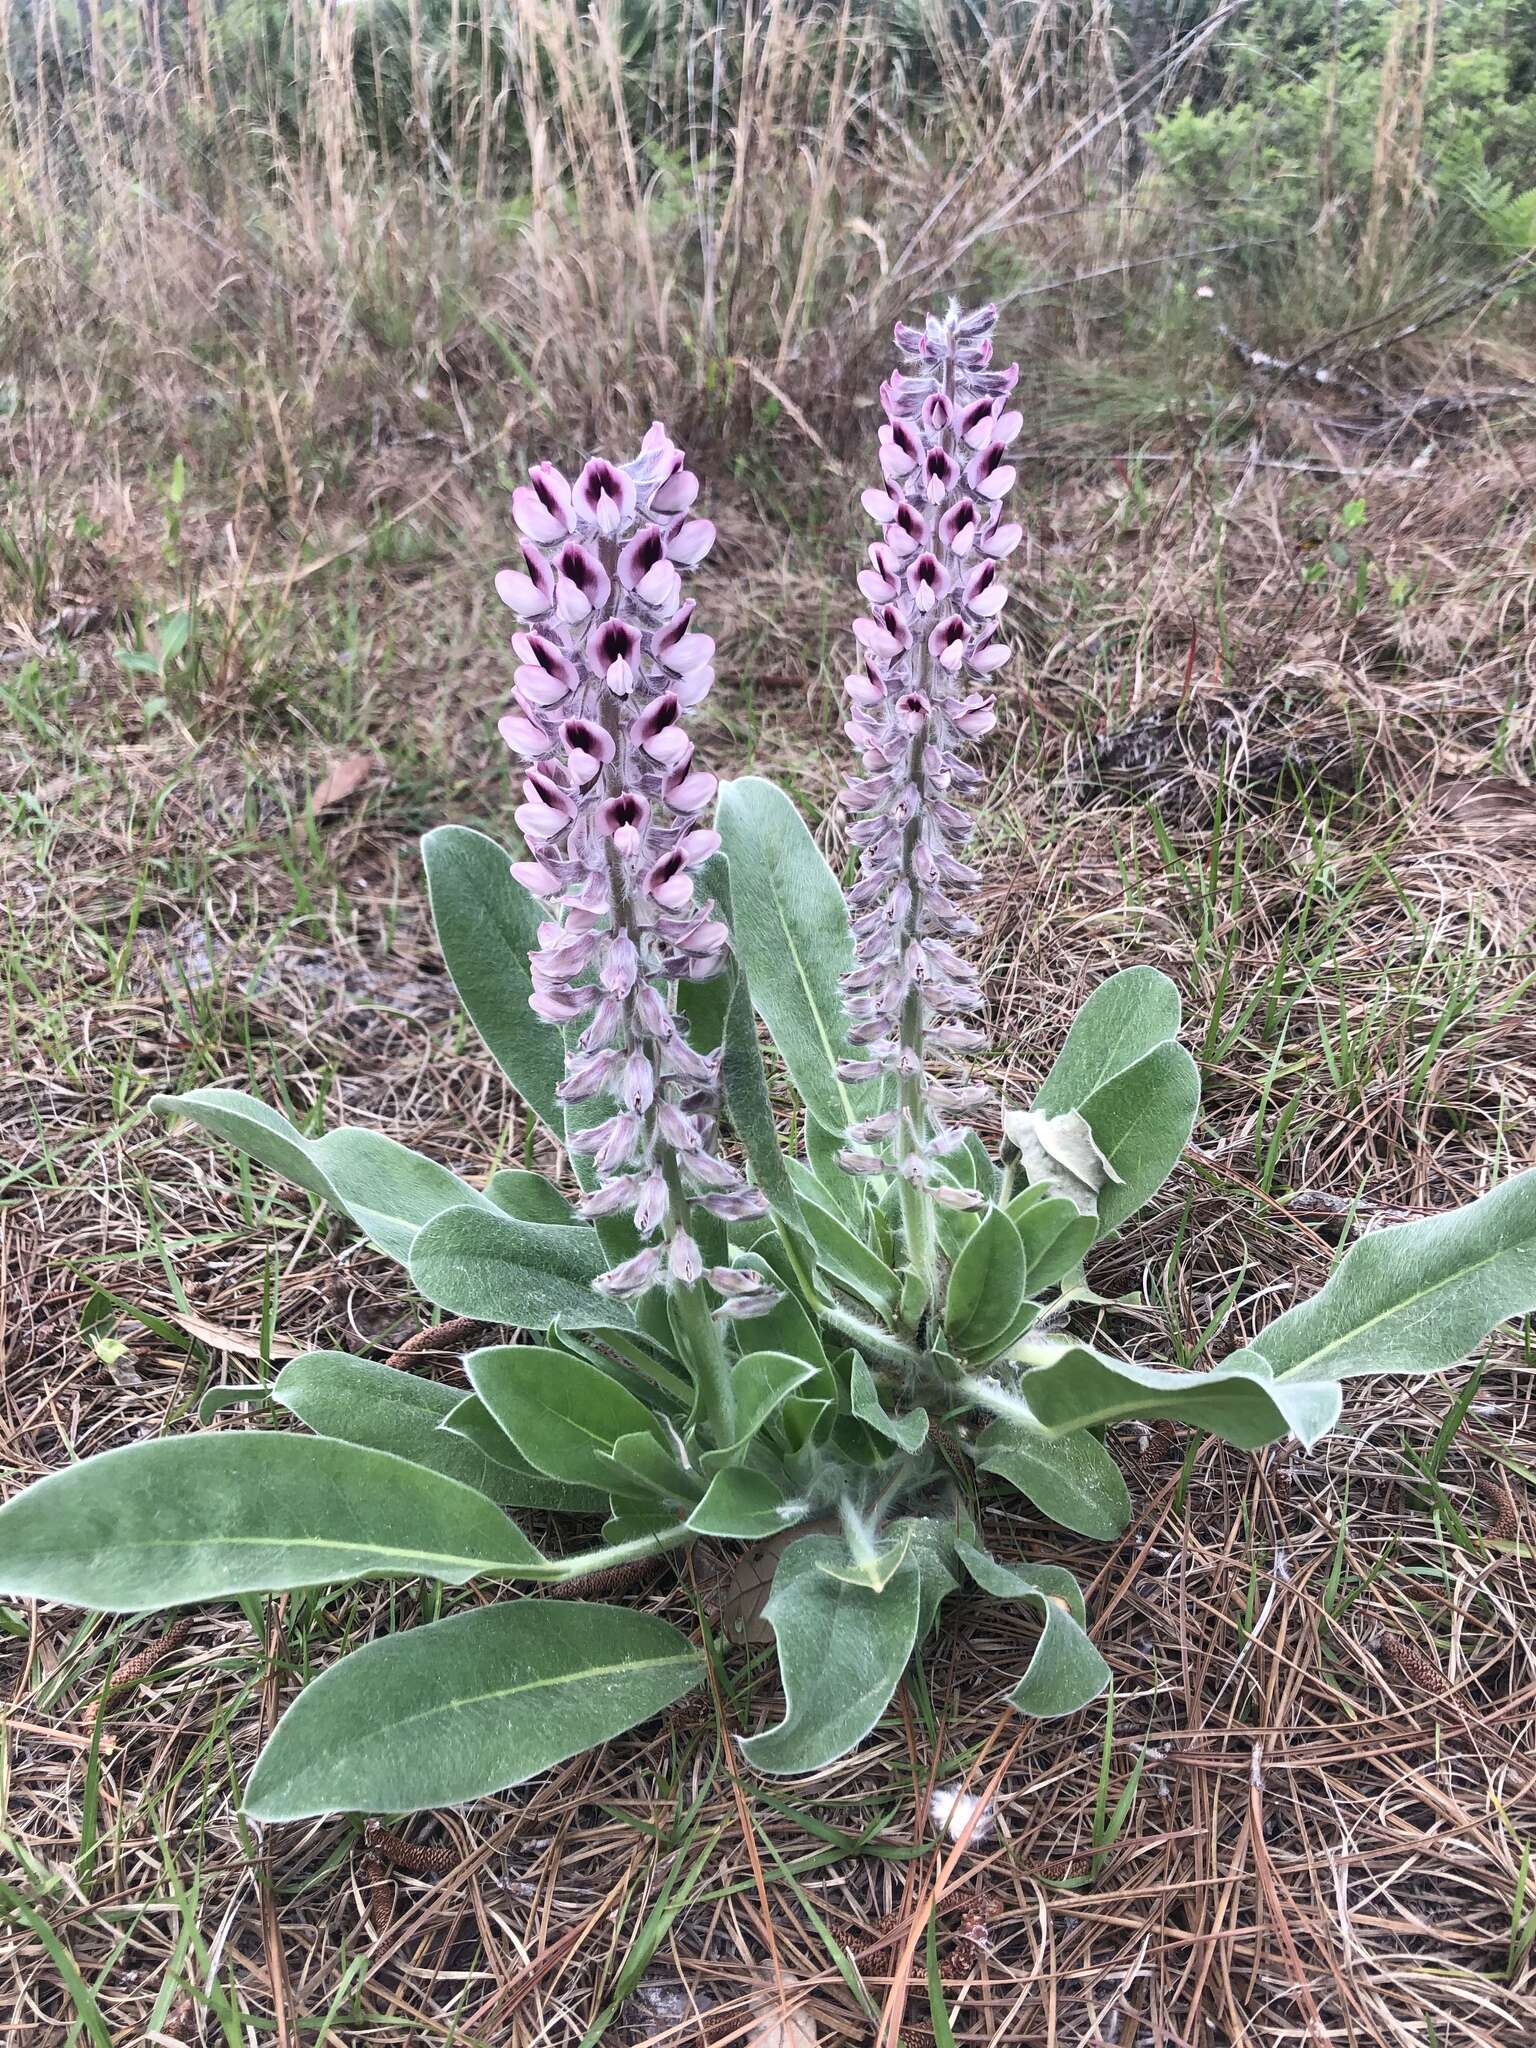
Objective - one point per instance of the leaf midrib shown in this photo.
(810, 1000)
(627, 1667)
(1358, 1330)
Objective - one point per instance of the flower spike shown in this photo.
(609, 672)
(916, 702)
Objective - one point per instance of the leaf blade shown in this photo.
(204, 1517)
(468, 1706)
(790, 926)
(842, 1650)
(487, 925)
(1416, 1297)
(486, 1264)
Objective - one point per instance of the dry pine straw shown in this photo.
(1331, 1693)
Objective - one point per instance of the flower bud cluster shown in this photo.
(929, 646)
(609, 669)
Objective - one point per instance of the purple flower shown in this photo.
(936, 595)
(611, 799)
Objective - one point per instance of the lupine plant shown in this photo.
(822, 1323)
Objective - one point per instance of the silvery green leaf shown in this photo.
(473, 1421)
(1418, 1296)
(386, 1189)
(875, 1568)
(761, 1383)
(1054, 1232)
(389, 1191)
(932, 1551)
(1072, 1388)
(1121, 1021)
(847, 1194)
(483, 1263)
(361, 1402)
(842, 1650)
(789, 924)
(564, 1415)
(1073, 1480)
(642, 1465)
(748, 1105)
(848, 1259)
(1059, 1151)
(1137, 1089)
(487, 925)
(251, 1127)
(745, 1504)
(986, 1287)
(530, 1198)
(1141, 1121)
(908, 1432)
(203, 1517)
(1066, 1671)
(464, 1707)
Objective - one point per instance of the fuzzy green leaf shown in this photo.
(986, 1285)
(1136, 1088)
(748, 1105)
(746, 1504)
(563, 1414)
(203, 1517)
(1066, 1671)
(530, 1198)
(1122, 1021)
(1417, 1297)
(361, 1402)
(790, 927)
(842, 1650)
(466, 1707)
(266, 1135)
(487, 925)
(1240, 1400)
(482, 1263)
(908, 1432)
(387, 1190)
(1071, 1479)
(849, 1260)
(1055, 1235)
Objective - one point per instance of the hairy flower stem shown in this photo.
(706, 1356)
(556, 1570)
(917, 1218)
(706, 1352)
(869, 1336)
(931, 637)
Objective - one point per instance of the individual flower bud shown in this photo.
(605, 495)
(530, 591)
(542, 506)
